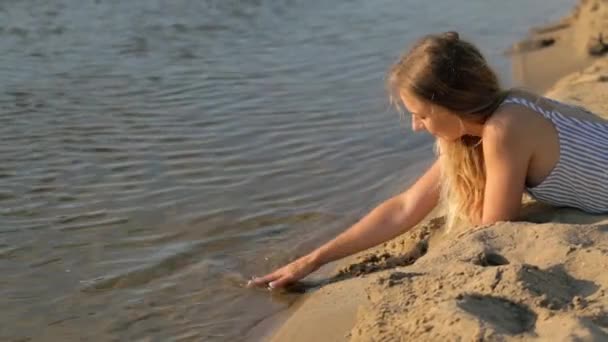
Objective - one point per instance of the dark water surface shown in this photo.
(157, 153)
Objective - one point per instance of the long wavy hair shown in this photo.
(452, 73)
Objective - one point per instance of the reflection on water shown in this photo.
(155, 154)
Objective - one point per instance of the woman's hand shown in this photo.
(393, 217)
(287, 274)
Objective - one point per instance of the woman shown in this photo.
(493, 145)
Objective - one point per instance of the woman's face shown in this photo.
(434, 119)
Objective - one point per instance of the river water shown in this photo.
(155, 154)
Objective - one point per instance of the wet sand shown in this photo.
(543, 278)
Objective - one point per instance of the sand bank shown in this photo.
(546, 278)
(566, 46)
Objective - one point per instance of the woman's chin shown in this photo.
(447, 139)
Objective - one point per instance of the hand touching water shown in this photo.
(393, 217)
(287, 274)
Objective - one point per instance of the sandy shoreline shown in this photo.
(546, 278)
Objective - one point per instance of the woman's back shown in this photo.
(574, 160)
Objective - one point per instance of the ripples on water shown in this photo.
(156, 153)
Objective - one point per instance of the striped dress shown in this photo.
(580, 177)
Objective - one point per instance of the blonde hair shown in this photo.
(444, 70)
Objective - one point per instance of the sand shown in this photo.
(544, 278)
(556, 50)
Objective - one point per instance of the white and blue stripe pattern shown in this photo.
(580, 177)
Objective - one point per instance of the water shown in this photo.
(157, 153)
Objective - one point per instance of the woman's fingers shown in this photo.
(262, 281)
(281, 282)
(284, 275)
(274, 280)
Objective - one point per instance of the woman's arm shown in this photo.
(390, 219)
(506, 154)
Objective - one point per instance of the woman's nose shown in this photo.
(417, 125)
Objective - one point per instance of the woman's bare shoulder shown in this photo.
(509, 122)
(515, 130)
